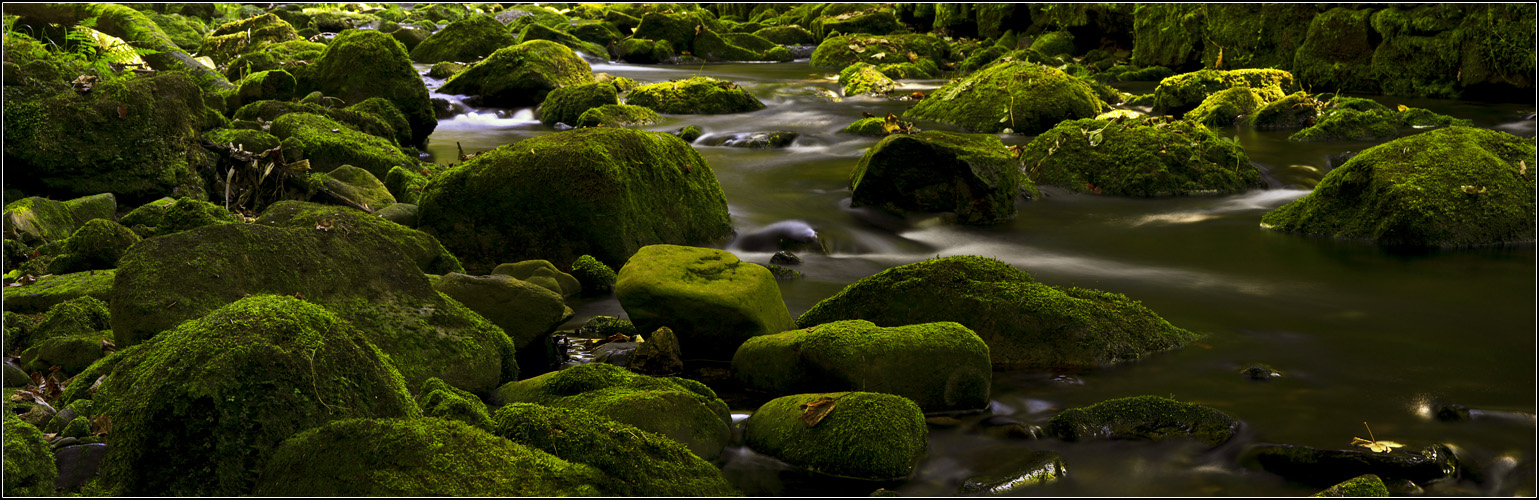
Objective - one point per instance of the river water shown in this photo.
(1360, 333)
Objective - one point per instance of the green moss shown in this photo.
(598, 33)
(1225, 107)
(1296, 110)
(681, 409)
(1367, 485)
(923, 69)
(1025, 324)
(1336, 52)
(871, 127)
(256, 371)
(862, 78)
(618, 115)
(232, 39)
(70, 353)
(638, 462)
(96, 245)
(1182, 92)
(939, 366)
(1497, 49)
(542, 273)
(438, 399)
(1240, 35)
(249, 140)
(1167, 34)
(567, 104)
(786, 35)
(1417, 65)
(417, 457)
(602, 191)
(1454, 186)
(595, 277)
(29, 467)
(1054, 43)
(836, 51)
(715, 47)
(1149, 157)
(39, 220)
(405, 184)
(279, 55)
(1024, 97)
(973, 175)
(373, 116)
(541, 32)
(185, 32)
(187, 213)
(524, 310)
(272, 84)
(677, 28)
(421, 248)
(643, 51)
(360, 64)
(329, 144)
(74, 317)
(1348, 124)
(875, 21)
(520, 75)
(865, 435)
(696, 95)
(446, 69)
(710, 299)
(602, 327)
(358, 186)
(49, 290)
(1150, 418)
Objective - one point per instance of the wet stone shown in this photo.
(1260, 371)
(78, 464)
(1323, 468)
(785, 258)
(1013, 472)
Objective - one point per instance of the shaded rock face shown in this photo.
(712, 301)
(992, 99)
(862, 435)
(603, 192)
(932, 171)
(1148, 418)
(1323, 468)
(525, 311)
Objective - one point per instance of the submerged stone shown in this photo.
(859, 434)
(973, 175)
(1148, 418)
(1140, 157)
(712, 301)
(1024, 97)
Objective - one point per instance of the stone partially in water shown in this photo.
(697, 95)
(465, 40)
(1322, 468)
(1024, 97)
(712, 301)
(753, 140)
(1148, 418)
(520, 75)
(863, 78)
(659, 355)
(1013, 471)
(1147, 157)
(973, 175)
(568, 104)
(860, 434)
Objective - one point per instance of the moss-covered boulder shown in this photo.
(98, 244)
(438, 399)
(329, 144)
(188, 213)
(861, 434)
(47, 291)
(417, 457)
(541, 32)
(38, 220)
(1024, 97)
(199, 409)
(643, 51)
(841, 51)
(1296, 110)
(638, 462)
(878, 21)
(542, 273)
(681, 409)
(1348, 124)
(246, 139)
(678, 28)
(1140, 157)
(358, 186)
(1228, 106)
(274, 84)
(567, 104)
(77, 316)
(1455, 186)
(520, 75)
(360, 64)
(273, 56)
(1366, 485)
(786, 35)
(712, 301)
(232, 39)
(737, 47)
(863, 78)
(1025, 324)
(465, 40)
(374, 116)
(96, 206)
(1323, 468)
(134, 137)
(697, 95)
(1337, 52)
(1149, 418)
(595, 277)
(72, 354)
(357, 272)
(525, 311)
(939, 366)
(973, 175)
(1492, 53)
(1183, 92)
(423, 249)
(185, 31)
(29, 468)
(604, 192)
(618, 115)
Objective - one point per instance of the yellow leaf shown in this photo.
(1374, 444)
(1403, 108)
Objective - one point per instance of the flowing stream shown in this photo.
(1359, 332)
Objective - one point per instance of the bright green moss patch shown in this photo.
(1183, 92)
(1149, 418)
(697, 95)
(96, 245)
(865, 435)
(618, 115)
(187, 213)
(329, 144)
(1227, 106)
(465, 40)
(844, 50)
(1348, 124)
(1455, 186)
(49, 290)
(595, 277)
(440, 400)
(29, 468)
(39, 220)
(1296, 110)
(1140, 157)
(1024, 97)
(863, 78)
(710, 299)
(973, 175)
(417, 457)
(1367, 485)
(520, 75)
(541, 32)
(360, 64)
(567, 104)
(235, 38)
(643, 51)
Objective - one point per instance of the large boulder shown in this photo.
(98, 244)
(841, 51)
(351, 268)
(1024, 97)
(852, 434)
(1293, 111)
(29, 469)
(939, 366)
(1455, 186)
(567, 104)
(199, 409)
(465, 40)
(329, 144)
(1228, 106)
(229, 40)
(520, 75)
(47, 291)
(973, 175)
(417, 457)
(533, 31)
(1148, 418)
(374, 116)
(1325, 467)
(36, 220)
(710, 300)
(700, 95)
(604, 192)
(525, 311)
(638, 462)
(1025, 324)
(681, 409)
(1139, 157)
(133, 137)
(1338, 51)
(421, 248)
(360, 64)
(1183, 92)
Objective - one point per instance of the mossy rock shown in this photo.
(697, 95)
(973, 175)
(465, 40)
(786, 35)
(1323, 468)
(199, 409)
(923, 69)
(74, 317)
(229, 40)
(567, 104)
(1366, 485)
(525, 311)
(1025, 324)
(604, 192)
(50, 290)
(1226, 107)
(1008, 470)
(185, 32)
(187, 213)
(1418, 65)
(1337, 52)
(542, 273)
(618, 115)
(358, 186)
(274, 84)
(446, 69)
(418, 457)
(1025, 97)
(356, 271)
(29, 467)
(862, 78)
(681, 409)
(438, 399)
(1147, 157)
(737, 47)
(864, 435)
(273, 56)
(520, 75)
(939, 366)
(836, 51)
(678, 28)
(134, 137)
(1148, 418)
(1497, 53)
(1294, 111)
(1167, 35)
(360, 64)
(1455, 186)
(423, 249)
(643, 51)
(386, 113)
(870, 127)
(39, 220)
(329, 144)
(880, 21)
(596, 32)
(1183, 92)
(247, 139)
(541, 32)
(71, 354)
(1054, 43)
(1252, 35)
(710, 300)
(96, 206)
(373, 116)
(1348, 124)
(638, 462)
(405, 184)
(595, 277)
(98, 244)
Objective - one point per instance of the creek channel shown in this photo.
(1359, 332)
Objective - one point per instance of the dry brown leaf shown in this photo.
(815, 410)
(102, 425)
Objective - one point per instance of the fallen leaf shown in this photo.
(324, 225)
(1374, 444)
(1402, 107)
(102, 425)
(815, 410)
(122, 111)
